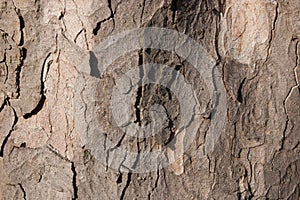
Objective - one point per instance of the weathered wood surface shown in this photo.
(255, 44)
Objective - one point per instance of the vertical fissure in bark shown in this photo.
(23, 52)
(126, 186)
(40, 105)
(142, 13)
(217, 32)
(174, 7)
(22, 24)
(23, 190)
(11, 130)
(239, 92)
(155, 185)
(139, 91)
(74, 181)
(120, 178)
(3, 104)
(272, 34)
(6, 67)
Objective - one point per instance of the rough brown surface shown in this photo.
(255, 44)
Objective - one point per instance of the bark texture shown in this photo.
(256, 46)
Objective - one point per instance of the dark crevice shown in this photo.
(11, 130)
(62, 14)
(142, 14)
(120, 141)
(23, 52)
(156, 181)
(75, 187)
(276, 16)
(77, 35)
(2, 107)
(38, 5)
(3, 144)
(110, 8)
(178, 67)
(111, 17)
(239, 92)
(126, 186)
(250, 193)
(136, 105)
(41, 103)
(218, 24)
(6, 67)
(239, 195)
(4, 104)
(22, 26)
(119, 180)
(37, 109)
(139, 92)
(98, 26)
(174, 7)
(40, 178)
(23, 190)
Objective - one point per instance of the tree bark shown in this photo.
(47, 154)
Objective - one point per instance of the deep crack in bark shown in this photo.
(11, 130)
(139, 93)
(23, 52)
(74, 183)
(111, 17)
(174, 9)
(23, 190)
(126, 186)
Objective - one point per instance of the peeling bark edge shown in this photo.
(41, 103)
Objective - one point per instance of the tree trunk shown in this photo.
(149, 99)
